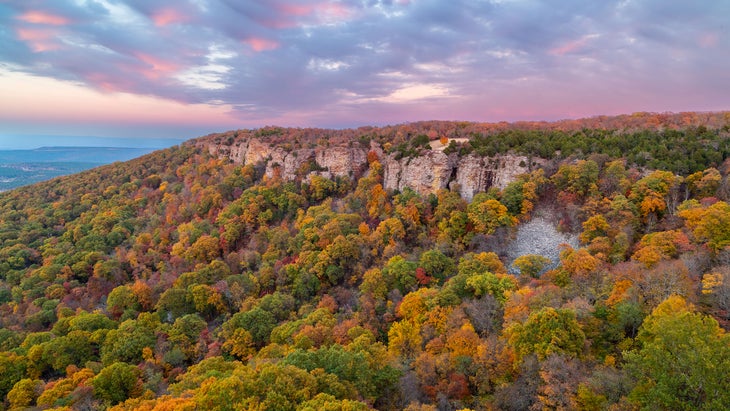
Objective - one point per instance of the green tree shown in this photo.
(122, 300)
(127, 342)
(74, 348)
(437, 265)
(402, 272)
(580, 178)
(117, 382)
(12, 370)
(185, 335)
(257, 321)
(174, 303)
(494, 285)
(683, 360)
(548, 331)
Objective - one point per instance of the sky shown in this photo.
(185, 68)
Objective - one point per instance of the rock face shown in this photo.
(292, 164)
(475, 174)
(426, 173)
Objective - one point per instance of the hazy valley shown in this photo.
(22, 167)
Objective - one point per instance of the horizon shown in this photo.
(9, 141)
(185, 69)
(33, 142)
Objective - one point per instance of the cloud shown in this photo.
(43, 17)
(338, 62)
(166, 16)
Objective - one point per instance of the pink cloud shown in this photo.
(259, 44)
(295, 9)
(572, 46)
(169, 16)
(104, 82)
(336, 10)
(567, 48)
(156, 67)
(708, 40)
(42, 17)
(293, 15)
(39, 39)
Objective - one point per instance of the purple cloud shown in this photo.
(339, 63)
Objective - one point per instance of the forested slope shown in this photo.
(181, 280)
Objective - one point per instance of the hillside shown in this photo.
(23, 167)
(399, 267)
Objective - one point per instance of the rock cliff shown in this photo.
(425, 173)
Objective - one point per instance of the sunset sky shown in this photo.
(184, 68)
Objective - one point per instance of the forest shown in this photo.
(182, 281)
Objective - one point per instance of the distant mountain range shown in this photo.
(22, 167)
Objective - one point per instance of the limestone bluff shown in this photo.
(299, 153)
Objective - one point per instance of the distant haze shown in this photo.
(20, 142)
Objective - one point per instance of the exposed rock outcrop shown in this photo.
(475, 174)
(425, 173)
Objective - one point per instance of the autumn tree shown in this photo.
(24, 393)
(710, 225)
(656, 194)
(716, 287)
(486, 214)
(682, 360)
(580, 178)
(531, 265)
(548, 331)
(662, 245)
(704, 183)
(578, 263)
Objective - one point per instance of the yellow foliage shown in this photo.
(672, 306)
(487, 215)
(416, 304)
(710, 282)
(462, 343)
(363, 229)
(649, 256)
(578, 262)
(147, 353)
(711, 224)
(404, 339)
(595, 226)
(652, 203)
(378, 202)
(619, 292)
(240, 344)
(438, 318)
